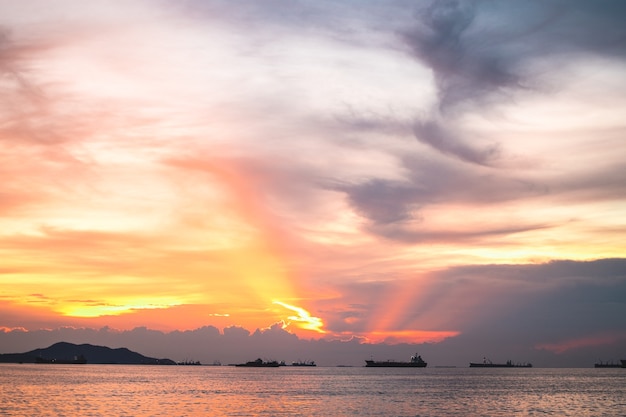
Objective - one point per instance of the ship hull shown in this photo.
(415, 362)
(266, 365)
(373, 364)
(498, 365)
(622, 364)
(259, 363)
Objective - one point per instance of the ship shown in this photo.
(260, 363)
(609, 364)
(415, 362)
(486, 363)
(304, 363)
(189, 363)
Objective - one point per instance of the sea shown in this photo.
(145, 390)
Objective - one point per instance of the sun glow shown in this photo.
(303, 318)
(410, 336)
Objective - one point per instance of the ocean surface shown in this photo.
(120, 390)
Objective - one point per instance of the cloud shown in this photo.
(478, 49)
(463, 70)
(541, 305)
(344, 152)
(27, 113)
(562, 313)
(442, 139)
(526, 305)
(486, 56)
(592, 341)
(483, 53)
(395, 209)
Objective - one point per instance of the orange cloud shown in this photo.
(4, 329)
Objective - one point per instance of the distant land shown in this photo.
(64, 352)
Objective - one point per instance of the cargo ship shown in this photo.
(304, 363)
(601, 364)
(415, 362)
(260, 363)
(486, 363)
(607, 365)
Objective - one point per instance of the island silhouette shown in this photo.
(69, 353)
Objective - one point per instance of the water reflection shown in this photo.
(228, 391)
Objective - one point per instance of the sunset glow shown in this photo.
(303, 318)
(394, 173)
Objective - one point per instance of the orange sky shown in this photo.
(165, 167)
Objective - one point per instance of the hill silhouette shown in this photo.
(64, 352)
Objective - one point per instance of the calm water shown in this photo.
(117, 390)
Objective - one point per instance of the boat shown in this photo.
(189, 363)
(486, 363)
(608, 364)
(303, 363)
(260, 363)
(622, 364)
(415, 362)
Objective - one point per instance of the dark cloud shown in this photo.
(534, 304)
(462, 69)
(393, 207)
(413, 235)
(480, 48)
(385, 202)
(484, 52)
(504, 310)
(444, 140)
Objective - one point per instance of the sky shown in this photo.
(209, 179)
